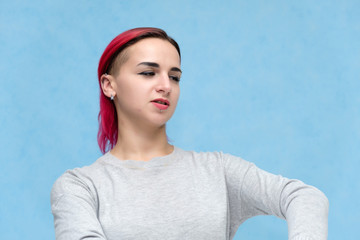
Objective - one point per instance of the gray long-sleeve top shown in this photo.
(183, 195)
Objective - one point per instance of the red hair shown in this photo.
(108, 123)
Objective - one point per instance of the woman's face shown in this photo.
(147, 83)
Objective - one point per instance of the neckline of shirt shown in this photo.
(165, 160)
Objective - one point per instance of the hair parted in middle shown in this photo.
(108, 122)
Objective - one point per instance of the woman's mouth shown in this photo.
(160, 103)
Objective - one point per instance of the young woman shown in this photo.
(145, 188)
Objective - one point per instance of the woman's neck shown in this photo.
(138, 144)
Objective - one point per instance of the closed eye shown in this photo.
(147, 73)
(175, 78)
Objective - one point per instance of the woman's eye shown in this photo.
(175, 78)
(147, 73)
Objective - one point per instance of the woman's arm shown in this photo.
(75, 210)
(304, 207)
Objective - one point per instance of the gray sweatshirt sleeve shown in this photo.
(305, 208)
(74, 209)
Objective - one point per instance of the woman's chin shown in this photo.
(159, 124)
(160, 119)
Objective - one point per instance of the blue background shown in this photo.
(275, 82)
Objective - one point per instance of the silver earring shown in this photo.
(112, 97)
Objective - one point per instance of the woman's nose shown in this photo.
(163, 84)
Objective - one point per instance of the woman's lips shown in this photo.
(160, 106)
(161, 103)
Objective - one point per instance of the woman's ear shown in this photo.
(107, 85)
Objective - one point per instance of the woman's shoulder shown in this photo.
(84, 171)
(76, 179)
(216, 157)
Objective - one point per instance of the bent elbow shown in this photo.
(300, 194)
(323, 200)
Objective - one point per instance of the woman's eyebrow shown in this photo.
(176, 69)
(150, 64)
(153, 64)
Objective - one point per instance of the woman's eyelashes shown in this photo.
(147, 73)
(152, 73)
(175, 78)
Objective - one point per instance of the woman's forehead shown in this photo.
(153, 49)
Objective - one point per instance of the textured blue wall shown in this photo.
(275, 82)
